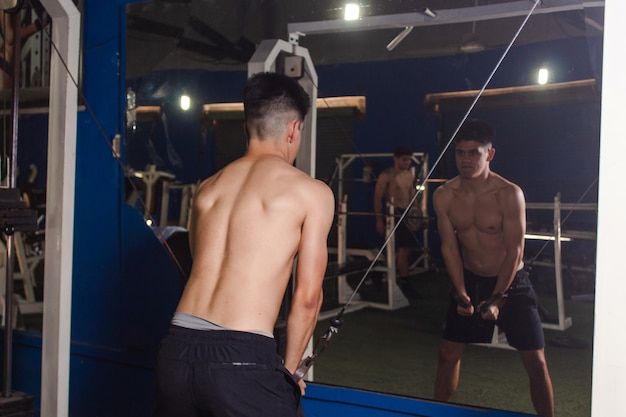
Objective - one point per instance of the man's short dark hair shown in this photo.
(402, 151)
(477, 130)
(268, 95)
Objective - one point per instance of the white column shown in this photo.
(60, 208)
(609, 361)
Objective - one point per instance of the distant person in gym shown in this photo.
(482, 220)
(248, 223)
(8, 34)
(396, 186)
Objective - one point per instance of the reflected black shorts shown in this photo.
(223, 373)
(519, 318)
(404, 237)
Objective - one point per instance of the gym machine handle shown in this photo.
(321, 344)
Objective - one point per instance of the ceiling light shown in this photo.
(542, 76)
(351, 11)
(471, 43)
(185, 102)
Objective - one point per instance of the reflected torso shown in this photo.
(477, 219)
(399, 187)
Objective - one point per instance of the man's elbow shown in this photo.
(309, 302)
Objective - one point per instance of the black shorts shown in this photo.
(404, 237)
(223, 373)
(518, 319)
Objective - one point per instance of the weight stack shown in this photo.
(17, 405)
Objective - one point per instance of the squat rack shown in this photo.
(395, 297)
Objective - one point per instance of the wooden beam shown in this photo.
(581, 91)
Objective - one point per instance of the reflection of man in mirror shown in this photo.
(481, 219)
(8, 33)
(396, 186)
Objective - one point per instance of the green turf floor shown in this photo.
(396, 351)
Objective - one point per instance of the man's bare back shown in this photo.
(248, 223)
(246, 228)
(477, 217)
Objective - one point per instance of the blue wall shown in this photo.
(124, 284)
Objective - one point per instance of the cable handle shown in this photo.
(321, 344)
(488, 302)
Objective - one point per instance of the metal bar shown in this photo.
(558, 266)
(8, 293)
(343, 292)
(564, 206)
(444, 17)
(165, 203)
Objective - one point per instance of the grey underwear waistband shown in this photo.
(189, 321)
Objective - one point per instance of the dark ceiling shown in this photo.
(220, 34)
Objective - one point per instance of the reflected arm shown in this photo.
(449, 242)
(513, 229)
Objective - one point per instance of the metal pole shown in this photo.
(8, 294)
(558, 265)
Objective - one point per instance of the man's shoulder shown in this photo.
(504, 185)
(448, 186)
(318, 188)
(446, 192)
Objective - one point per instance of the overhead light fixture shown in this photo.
(185, 102)
(471, 44)
(395, 41)
(542, 76)
(429, 12)
(351, 11)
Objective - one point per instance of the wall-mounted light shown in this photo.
(542, 76)
(351, 11)
(185, 102)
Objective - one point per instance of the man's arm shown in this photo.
(513, 229)
(450, 247)
(310, 270)
(379, 194)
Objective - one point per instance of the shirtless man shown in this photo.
(396, 185)
(248, 223)
(481, 219)
(7, 35)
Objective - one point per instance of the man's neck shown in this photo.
(476, 184)
(268, 147)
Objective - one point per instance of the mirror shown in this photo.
(547, 141)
